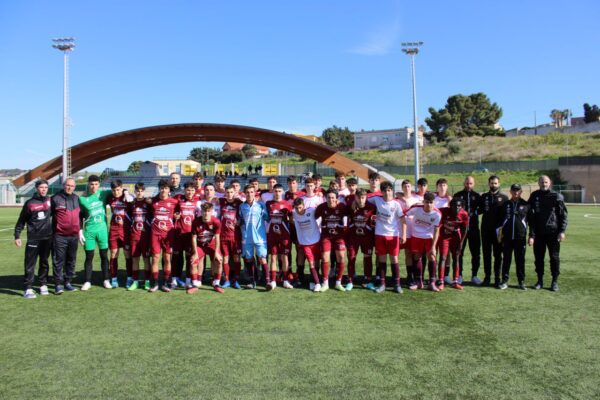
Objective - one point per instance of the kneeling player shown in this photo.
(361, 225)
(278, 234)
(308, 234)
(206, 241)
(455, 223)
(139, 212)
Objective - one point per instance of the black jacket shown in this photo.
(37, 215)
(547, 214)
(489, 207)
(470, 201)
(513, 219)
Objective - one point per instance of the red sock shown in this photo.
(382, 266)
(129, 266)
(315, 275)
(396, 273)
(237, 268)
(431, 266)
(273, 276)
(114, 267)
(325, 265)
(351, 269)
(194, 277)
(226, 270)
(154, 278)
(265, 271)
(135, 275)
(442, 269)
(340, 271)
(218, 276)
(368, 266)
(167, 275)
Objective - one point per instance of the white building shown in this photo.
(385, 139)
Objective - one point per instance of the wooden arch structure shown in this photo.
(102, 148)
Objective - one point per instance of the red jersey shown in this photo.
(349, 199)
(199, 193)
(163, 211)
(119, 220)
(230, 227)
(453, 225)
(361, 222)
(206, 231)
(332, 220)
(291, 196)
(373, 194)
(140, 213)
(279, 223)
(187, 213)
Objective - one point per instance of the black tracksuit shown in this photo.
(470, 201)
(65, 213)
(37, 215)
(547, 220)
(489, 206)
(513, 222)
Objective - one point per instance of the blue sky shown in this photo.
(292, 66)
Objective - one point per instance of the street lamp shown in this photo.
(65, 45)
(412, 49)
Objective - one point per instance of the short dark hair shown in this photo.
(292, 178)
(316, 177)
(40, 182)
(116, 183)
(339, 174)
(234, 181)
(278, 186)
(198, 175)
(219, 178)
(351, 181)
(491, 178)
(188, 185)
(331, 191)
(373, 176)
(406, 182)
(207, 206)
(440, 181)
(163, 183)
(272, 177)
(93, 178)
(308, 180)
(252, 180)
(428, 197)
(140, 185)
(361, 192)
(248, 186)
(385, 186)
(422, 182)
(298, 201)
(209, 184)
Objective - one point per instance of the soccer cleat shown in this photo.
(59, 289)
(236, 285)
(197, 283)
(339, 287)
(539, 284)
(114, 283)
(398, 289)
(457, 285)
(433, 287)
(475, 280)
(165, 288)
(218, 289)
(316, 288)
(270, 286)
(503, 286)
(287, 285)
(460, 280)
(370, 286)
(86, 286)
(44, 290)
(153, 289)
(447, 280)
(420, 285)
(325, 286)
(129, 282)
(311, 286)
(191, 290)
(412, 286)
(522, 285)
(486, 281)
(179, 283)
(554, 286)
(70, 288)
(147, 285)
(250, 286)
(380, 289)
(134, 285)
(349, 286)
(226, 284)
(106, 284)
(29, 294)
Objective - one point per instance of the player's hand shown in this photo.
(177, 216)
(402, 239)
(561, 237)
(194, 259)
(18, 242)
(530, 242)
(218, 257)
(128, 196)
(81, 237)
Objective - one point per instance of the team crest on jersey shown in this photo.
(308, 214)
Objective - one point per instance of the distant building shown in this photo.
(578, 121)
(234, 146)
(385, 139)
(167, 167)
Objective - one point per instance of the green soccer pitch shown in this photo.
(472, 344)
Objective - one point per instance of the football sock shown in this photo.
(325, 270)
(382, 267)
(340, 271)
(226, 270)
(351, 269)
(396, 273)
(114, 267)
(129, 266)
(368, 267)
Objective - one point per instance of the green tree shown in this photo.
(134, 167)
(558, 116)
(205, 154)
(591, 113)
(231, 157)
(339, 138)
(473, 115)
(249, 151)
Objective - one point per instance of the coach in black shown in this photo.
(489, 206)
(65, 220)
(513, 234)
(36, 214)
(470, 200)
(548, 223)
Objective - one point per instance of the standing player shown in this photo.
(311, 200)
(278, 235)
(390, 233)
(352, 185)
(140, 214)
(198, 180)
(253, 216)
(407, 200)
(309, 236)
(37, 215)
(205, 241)
(162, 235)
(374, 185)
(182, 244)
(422, 185)
(425, 228)
(230, 238)
(442, 197)
(256, 186)
(513, 235)
(470, 200)
(268, 194)
(489, 205)
(361, 235)
(175, 184)
(343, 189)
(455, 223)
(209, 197)
(235, 184)
(119, 230)
(293, 192)
(333, 216)
(219, 187)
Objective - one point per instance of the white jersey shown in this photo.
(307, 229)
(266, 196)
(216, 207)
(407, 203)
(344, 192)
(313, 201)
(387, 222)
(441, 202)
(423, 224)
(219, 195)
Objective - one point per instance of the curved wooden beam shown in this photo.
(102, 148)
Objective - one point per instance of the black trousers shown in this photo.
(64, 256)
(34, 250)
(490, 246)
(516, 246)
(540, 244)
(474, 241)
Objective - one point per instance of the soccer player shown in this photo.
(311, 200)
(470, 200)
(268, 195)
(340, 178)
(119, 230)
(36, 214)
(162, 235)
(256, 186)
(219, 187)
(209, 197)
(390, 233)
(205, 242)
(489, 204)
(292, 193)
(374, 185)
(547, 225)
(425, 228)
(230, 238)
(66, 225)
(140, 214)
(309, 236)
(422, 185)
(182, 243)
(278, 235)
(407, 200)
(352, 185)
(333, 217)
(235, 184)
(318, 179)
(198, 180)
(513, 235)
(95, 230)
(253, 216)
(361, 235)
(454, 225)
(442, 198)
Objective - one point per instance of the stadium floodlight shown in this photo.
(412, 49)
(65, 45)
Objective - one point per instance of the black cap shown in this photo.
(515, 187)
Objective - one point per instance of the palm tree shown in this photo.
(558, 116)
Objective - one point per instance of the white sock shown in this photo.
(216, 282)
(338, 282)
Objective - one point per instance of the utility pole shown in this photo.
(412, 49)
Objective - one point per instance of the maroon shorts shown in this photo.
(387, 245)
(281, 246)
(206, 251)
(162, 241)
(450, 244)
(182, 242)
(335, 243)
(230, 247)
(312, 252)
(420, 246)
(364, 243)
(140, 245)
(119, 238)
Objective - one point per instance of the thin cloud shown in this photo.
(379, 42)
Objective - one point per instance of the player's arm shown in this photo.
(436, 236)
(218, 255)
(24, 216)
(403, 229)
(562, 217)
(194, 256)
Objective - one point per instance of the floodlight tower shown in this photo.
(412, 49)
(65, 45)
